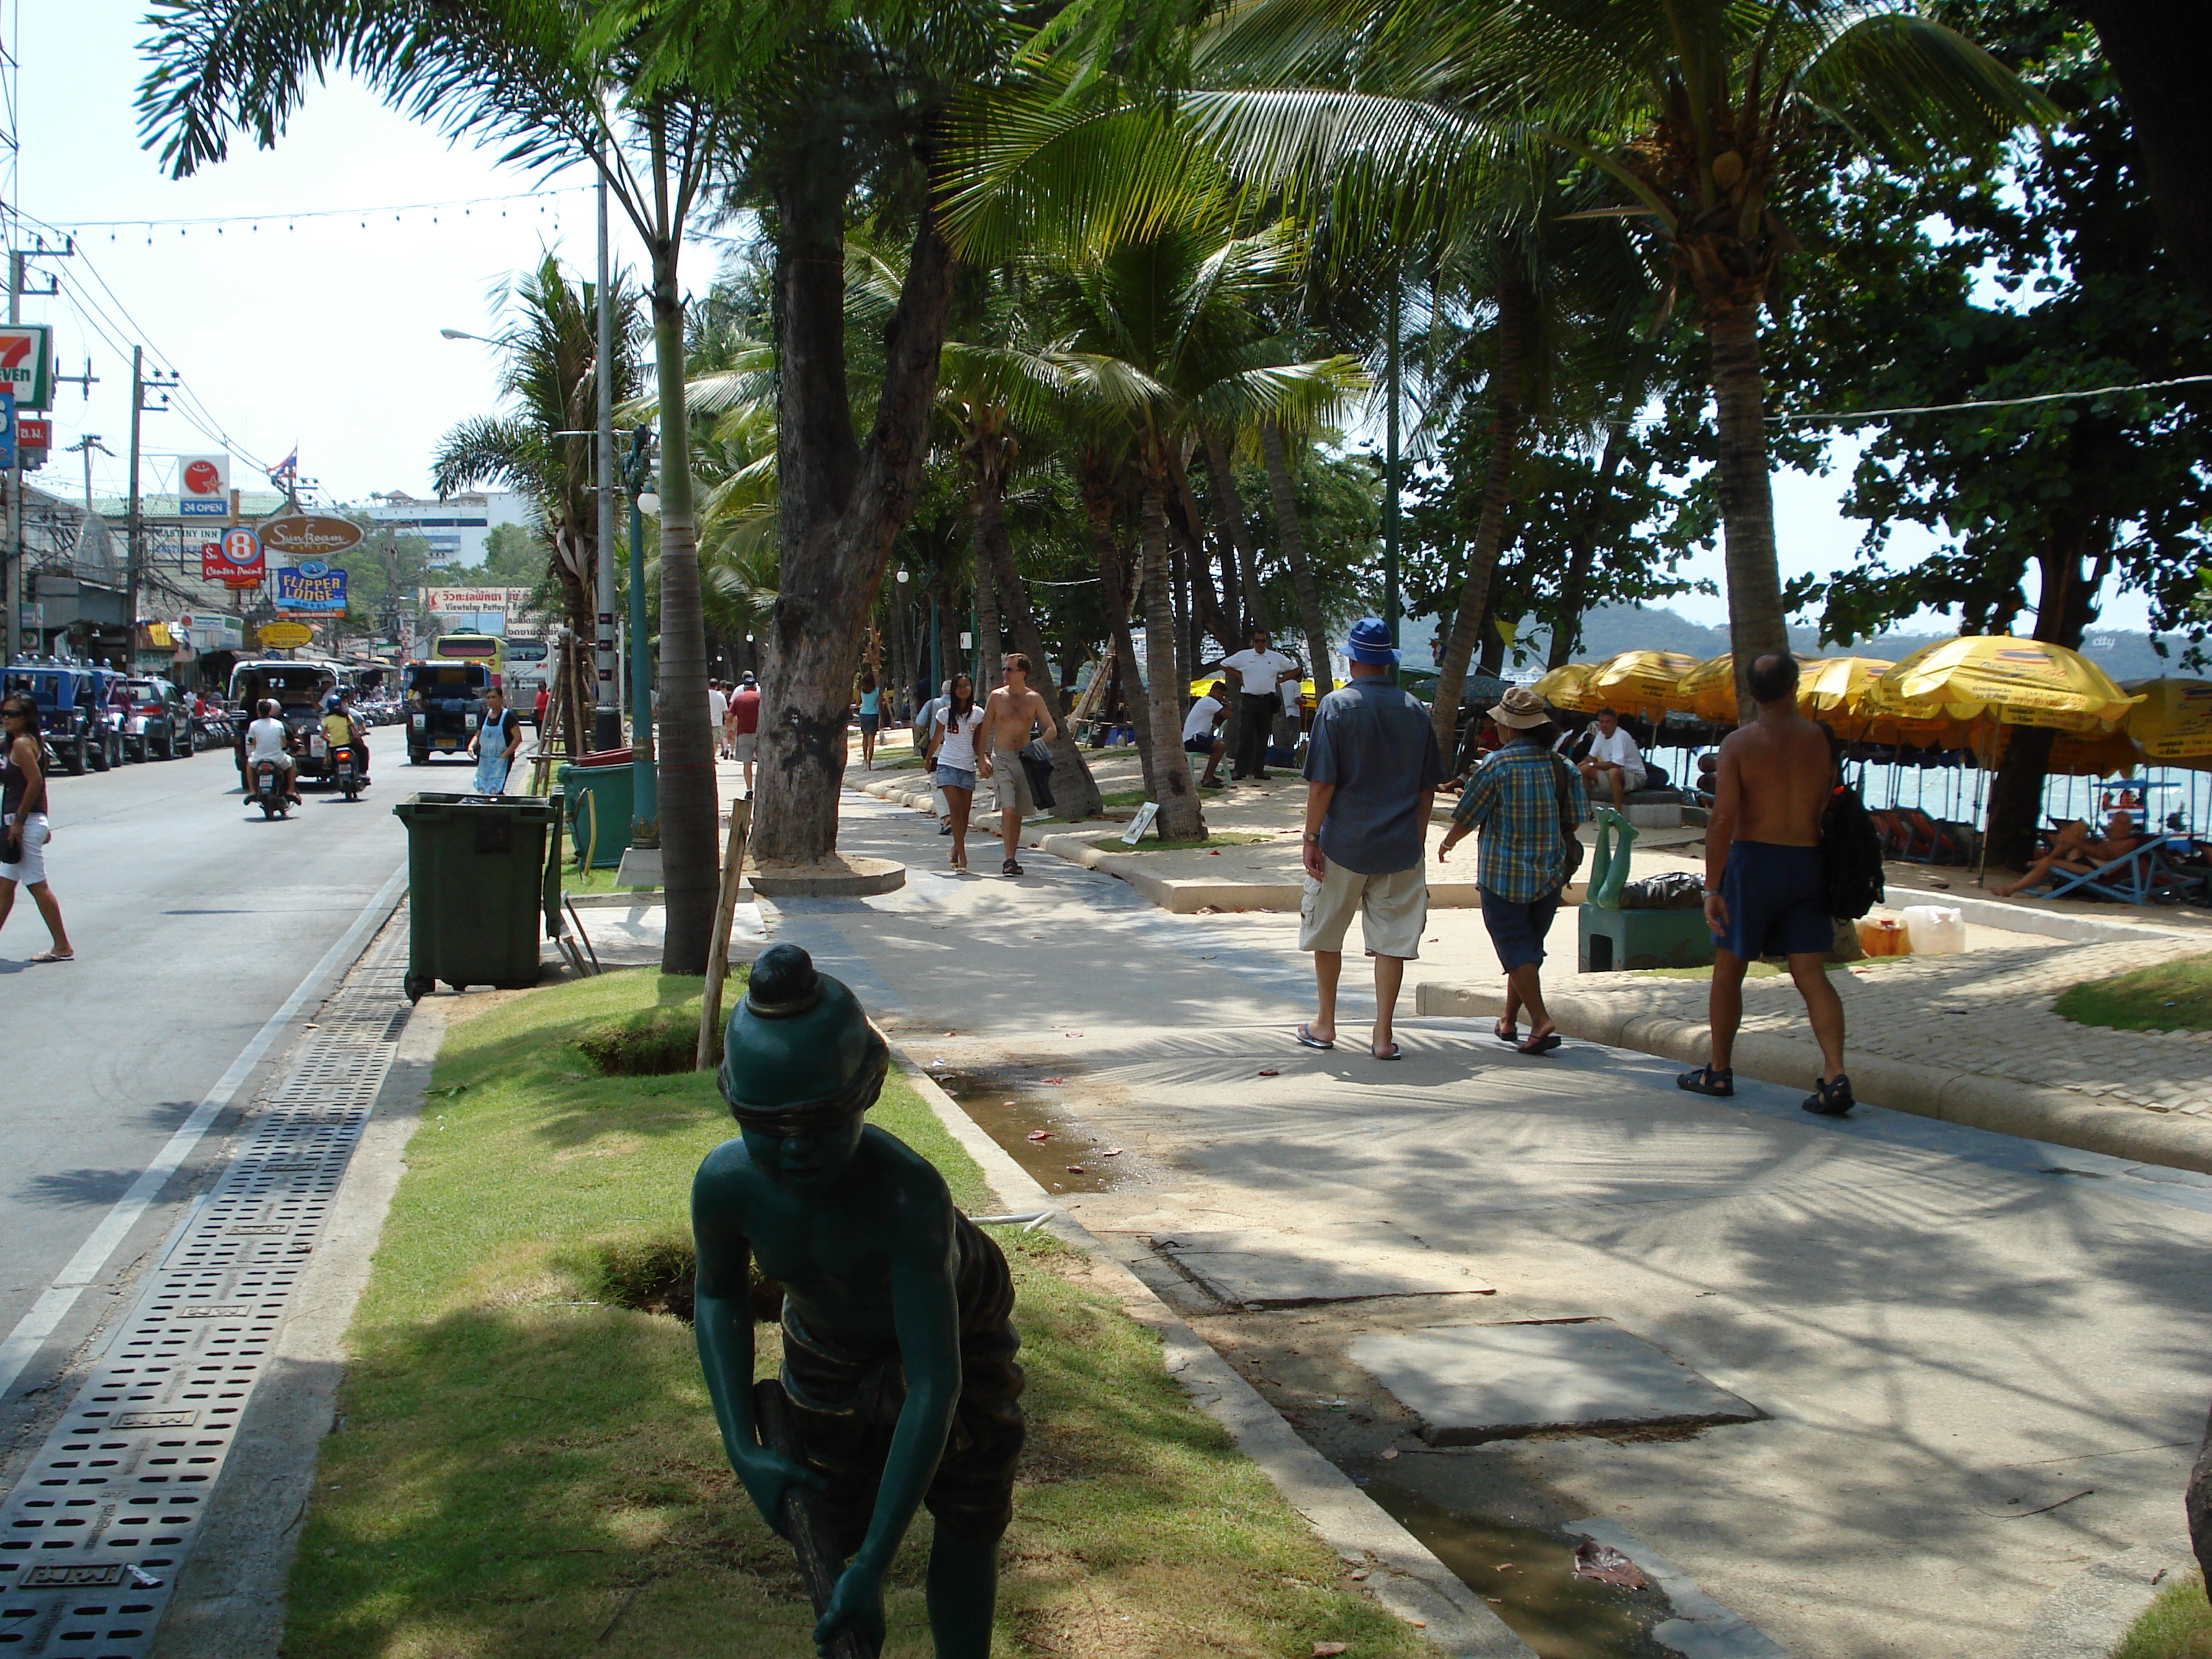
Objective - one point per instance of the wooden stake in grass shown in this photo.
(718, 949)
(812, 1537)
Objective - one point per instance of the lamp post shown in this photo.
(645, 791)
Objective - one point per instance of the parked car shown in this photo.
(69, 694)
(157, 723)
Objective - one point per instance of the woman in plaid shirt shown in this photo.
(1525, 799)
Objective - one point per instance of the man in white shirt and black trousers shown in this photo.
(1263, 670)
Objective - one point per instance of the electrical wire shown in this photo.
(464, 203)
(1999, 403)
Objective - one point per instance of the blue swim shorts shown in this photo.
(1774, 903)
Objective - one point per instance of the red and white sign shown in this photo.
(203, 486)
(236, 561)
(33, 432)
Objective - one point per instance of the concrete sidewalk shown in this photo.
(1980, 1359)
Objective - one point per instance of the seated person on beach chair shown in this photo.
(2078, 851)
(1926, 840)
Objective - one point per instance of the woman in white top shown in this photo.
(952, 758)
(1613, 758)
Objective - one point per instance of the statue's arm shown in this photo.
(723, 1324)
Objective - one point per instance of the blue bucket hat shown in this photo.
(1370, 643)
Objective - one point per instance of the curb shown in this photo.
(2032, 1111)
(2086, 1617)
(1405, 1576)
(2051, 924)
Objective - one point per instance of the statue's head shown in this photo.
(800, 1067)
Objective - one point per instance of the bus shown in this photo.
(469, 646)
(529, 670)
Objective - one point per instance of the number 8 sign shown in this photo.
(241, 550)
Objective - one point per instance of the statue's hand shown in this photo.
(765, 1474)
(857, 1604)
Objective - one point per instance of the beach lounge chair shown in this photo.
(1927, 841)
(2146, 876)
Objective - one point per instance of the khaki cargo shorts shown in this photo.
(1392, 910)
(1006, 779)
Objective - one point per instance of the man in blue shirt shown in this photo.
(1372, 770)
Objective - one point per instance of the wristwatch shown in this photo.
(1313, 841)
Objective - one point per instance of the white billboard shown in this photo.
(203, 486)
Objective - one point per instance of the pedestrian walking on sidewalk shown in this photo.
(1764, 893)
(953, 730)
(871, 718)
(1262, 670)
(499, 739)
(1011, 715)
(1372, 772)
(1526, 802)
(24, 831)
(744, 723)
(718, 712)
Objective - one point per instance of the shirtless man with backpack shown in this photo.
(1765, 894)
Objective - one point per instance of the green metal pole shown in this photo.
(1393, 374)
(645, 788)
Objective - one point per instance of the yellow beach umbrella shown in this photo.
(1637, 681)
(1708, 690)
(2173, 721)
(1838, 685)
(2096, 754)
(2001, 678)
(1563, 687)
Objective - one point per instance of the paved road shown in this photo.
(1982, 1360)
(194, 922)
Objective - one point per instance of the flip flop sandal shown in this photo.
(1009, 868)
(1396, 1053)
(1706, 1081)
(1542, 1045)
(1307, 1039)
(1831, 1099)
(1504, 1033)
(55, 956)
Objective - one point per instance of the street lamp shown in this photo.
(463, 334)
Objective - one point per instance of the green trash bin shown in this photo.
(599, 802)
(476, 886)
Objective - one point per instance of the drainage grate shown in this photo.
(93, 1534)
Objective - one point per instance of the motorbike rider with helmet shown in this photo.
(342, 725)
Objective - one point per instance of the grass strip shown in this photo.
(1219, 838)
(521, 1466)
(2168, 996)
(2177, 1625)
(602, 880)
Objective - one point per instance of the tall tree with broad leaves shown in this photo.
(561, 86)
(549, 365)
(2047, 279)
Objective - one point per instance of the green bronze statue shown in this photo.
(899, 1386)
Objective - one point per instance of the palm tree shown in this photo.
(561, 87)
(547, 376)
(1159, 338)
(1703, 114)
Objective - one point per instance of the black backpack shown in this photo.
(1851, 856)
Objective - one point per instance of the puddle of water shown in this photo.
(1009, 1116)
(1560, 1615)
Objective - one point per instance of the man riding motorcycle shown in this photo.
(269, 738)
(341, 725)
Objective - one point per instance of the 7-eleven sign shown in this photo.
(26, 354)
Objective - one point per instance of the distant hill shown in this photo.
(1613, 629)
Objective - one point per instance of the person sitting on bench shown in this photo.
(1614, 759)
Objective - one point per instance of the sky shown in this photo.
(323, 332)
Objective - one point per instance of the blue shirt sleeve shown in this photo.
(1321, 755)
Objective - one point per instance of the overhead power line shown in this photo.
(1996, 402)
(466, 205)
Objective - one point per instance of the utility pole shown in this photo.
(86, 445)
(645, 785)
(140, 385)
(607, 711)
(14, 584)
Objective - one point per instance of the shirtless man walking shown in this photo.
(1763, 890)
(1008, 715)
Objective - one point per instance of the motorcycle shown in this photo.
(270, 791)
(345, 770)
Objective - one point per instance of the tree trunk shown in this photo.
(839, 508)
(2148, 43)
(1209, 613)
(1515, 301)
(1176, 567)
(1574, 581)
(1241, 570)
(1075, 793)
(1756, 623)
(2066, 605)
(990, 667)
(1287, 525)
(691, 856)
(1179, 818)
(1113, 593)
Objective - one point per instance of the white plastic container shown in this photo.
(1934, 929)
